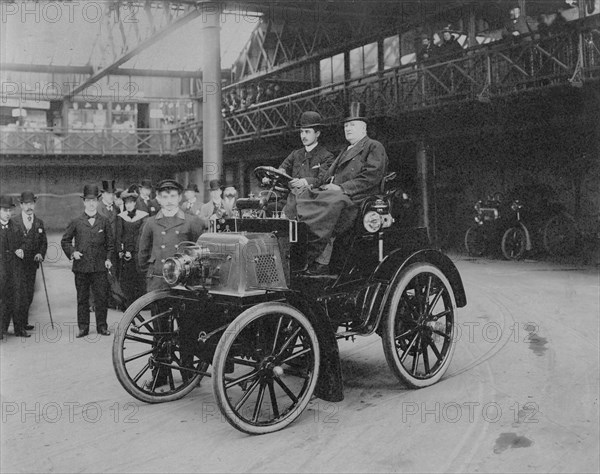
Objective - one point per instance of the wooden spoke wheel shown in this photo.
(265, 368)
(153, 350)
(419, 327)
(514, 243)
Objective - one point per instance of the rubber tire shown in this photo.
(389, 326)
(222, 352)
(118, 356)
(510, 234)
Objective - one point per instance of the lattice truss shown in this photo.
(126, 25)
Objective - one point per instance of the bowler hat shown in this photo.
(90, 191)
(310, 119)
(146, 183)
(108, 187)
(358, 111)
(6, 201)
(130, 193)
(28, 196)
(192, 187)
(214, 184)
(167, 184)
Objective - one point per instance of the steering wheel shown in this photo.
(279, 180)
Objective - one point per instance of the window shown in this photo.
(363, 60)
(391, 52)
(332, 69)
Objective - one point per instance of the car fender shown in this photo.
(391, 266)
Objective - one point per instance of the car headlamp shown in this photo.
(177, 269)
(372, 221)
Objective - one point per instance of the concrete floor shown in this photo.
(521, 394)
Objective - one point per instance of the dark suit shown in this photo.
(10, 240)
(358, 171)
(150, 206)
(96, 243)
(34, 241)
(310, 165)
(158, 241)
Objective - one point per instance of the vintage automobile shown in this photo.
(241, 310)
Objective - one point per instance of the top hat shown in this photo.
(108, 187)
(130, 193)
(90, 191)
(167, 184)
(214, 184)
(310, 119)
(146, 183)
(28, 196)
(6, 201)
(192, 187)
(358, 111)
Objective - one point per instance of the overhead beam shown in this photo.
(183, 20)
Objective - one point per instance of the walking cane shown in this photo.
(46, 290)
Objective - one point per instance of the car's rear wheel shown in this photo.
(419, 327)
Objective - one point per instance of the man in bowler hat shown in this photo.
(34, 244)
(309, 164)
(145, 202)
(355, 175)
(191, 204)
(89, 242)
(10, 255)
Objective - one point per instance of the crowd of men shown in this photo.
(129, 235)
(106, 244)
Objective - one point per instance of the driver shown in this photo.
(308, 165)
(355, 175)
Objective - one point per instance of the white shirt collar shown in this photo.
(170, 213)
(311, 147)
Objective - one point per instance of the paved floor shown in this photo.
(521, 394)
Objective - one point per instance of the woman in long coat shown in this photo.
(129, 226)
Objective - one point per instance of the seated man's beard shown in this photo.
(229, 204)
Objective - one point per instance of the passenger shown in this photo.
(89, 242)
(308, 165)
(129, 225)
(355, 175)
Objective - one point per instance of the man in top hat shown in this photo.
(214, 208)
(89, 242)
(34, 245)
(309, 164)
(10, 243)
(355, 175)
(106, 204)
(159, 239)
(145, 202)
(191, 204)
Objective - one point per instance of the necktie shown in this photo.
(109, 208)
(29, 218)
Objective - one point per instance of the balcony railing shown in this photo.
(483, 73)
(87, 142)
